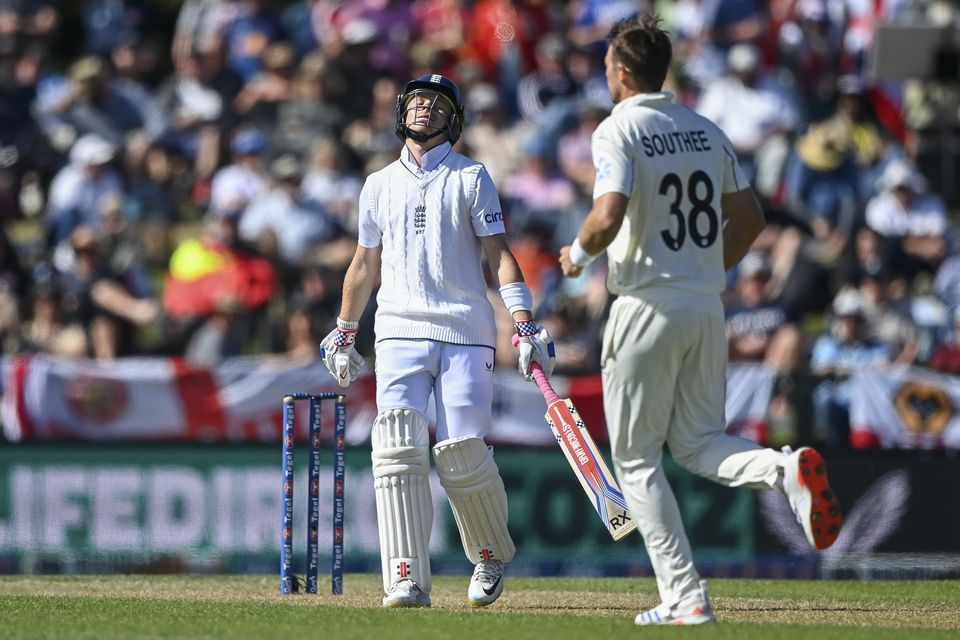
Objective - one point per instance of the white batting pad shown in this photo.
(472, 481)
(401, 462)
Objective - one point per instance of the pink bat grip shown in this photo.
(540, 378)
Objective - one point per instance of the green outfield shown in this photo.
(141, 607)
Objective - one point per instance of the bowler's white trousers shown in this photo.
(664, 381)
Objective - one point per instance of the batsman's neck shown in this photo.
(417, 149)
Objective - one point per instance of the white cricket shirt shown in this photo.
(429, 220)
(674, 165)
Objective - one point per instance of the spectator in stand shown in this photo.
(298, 223)
(887, 315)
(586, 69)
(215, 74)
(911, 220)
(95, 299)
(946, 355)
(375, 135)
(32, 20)
(297, 21)
(699, 60)
(235, 185)
(78, 189)
(394, 27)
(13, 289)
(548, 96)
(316, 295)
(19, 140)
(303, 333)
(248, 35)
(808, 44)
(731, 22)
(330, 184)
(835, 356)
(574, 155)
(758, 114)
(138, 59)
(591, 20)
(106, 22)
(198, 23)
(502, 37)
(222, 284)
(308, 109)
(441, 26)
(269, 88)
(219, 336)
(349, 79)
(43, 330)
(823, 176)
(122, 249)
(707, 29)
(153, 195)
(760, 328)
(93, 102)
(578, 352)
(540, 192)
(194, 109)
(536, 256)
(866, 255)
(495, 140)
(946, 283)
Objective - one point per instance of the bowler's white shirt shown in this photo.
(674, 165)
(429, 219)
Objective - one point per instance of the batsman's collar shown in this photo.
(644, 98)
(431, 159)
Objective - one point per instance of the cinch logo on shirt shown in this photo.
(675, 142)
(420, 219)
(497, 216)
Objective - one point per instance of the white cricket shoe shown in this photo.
(406, 593)
(486, 585)
(810, 497)
(695, 609)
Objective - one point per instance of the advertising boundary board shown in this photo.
(86, 508)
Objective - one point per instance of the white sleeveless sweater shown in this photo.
(433, 285)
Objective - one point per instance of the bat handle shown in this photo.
(540, 378)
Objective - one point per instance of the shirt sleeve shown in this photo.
(369, 232)
(733, 177)
(614, 167)
(487, 215)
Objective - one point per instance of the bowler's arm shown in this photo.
(745, 221)
(359, 281)
(598, 230)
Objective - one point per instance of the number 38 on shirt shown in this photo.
(692, 216)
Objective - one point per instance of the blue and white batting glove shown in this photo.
(339, 352)
(535, 345)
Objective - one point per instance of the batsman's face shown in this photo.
(427, 111)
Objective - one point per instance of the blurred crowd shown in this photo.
(185, 181)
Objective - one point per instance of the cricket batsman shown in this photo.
(426, 220)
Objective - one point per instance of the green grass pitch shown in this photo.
(214, 607)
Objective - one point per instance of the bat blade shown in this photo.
(594, 475)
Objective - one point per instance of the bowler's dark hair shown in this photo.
(643, 48)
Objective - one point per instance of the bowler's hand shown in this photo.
(569, 269)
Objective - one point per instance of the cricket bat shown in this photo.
(582, 454)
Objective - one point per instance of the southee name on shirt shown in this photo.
(675, 142)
